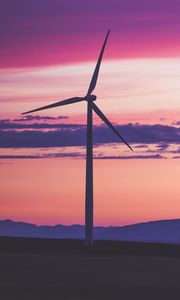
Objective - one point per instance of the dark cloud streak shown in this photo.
(64, 135)
(81, 155)
(156, 156)
(5, 124)
(39, 118)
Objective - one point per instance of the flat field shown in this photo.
(64, 269)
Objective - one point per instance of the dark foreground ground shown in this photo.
(64, 269)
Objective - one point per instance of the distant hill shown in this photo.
(163, 231)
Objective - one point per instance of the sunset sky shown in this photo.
(48, 53)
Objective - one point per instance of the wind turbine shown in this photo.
(91, 106)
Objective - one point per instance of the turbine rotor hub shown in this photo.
(91, 98)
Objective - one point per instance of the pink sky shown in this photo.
(52, 191)
(48, 55)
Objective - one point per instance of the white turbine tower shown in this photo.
(91, 106)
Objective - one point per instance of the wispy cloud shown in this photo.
(177, 123)
(163, 146)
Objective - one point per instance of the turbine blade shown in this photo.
(60, 103)
(103, 117)
(96, 71)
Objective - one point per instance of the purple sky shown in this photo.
(40, 32)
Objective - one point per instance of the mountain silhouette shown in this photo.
(163, 231)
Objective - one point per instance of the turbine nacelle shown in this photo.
(90, 98)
